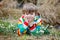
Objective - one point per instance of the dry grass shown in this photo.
(10, 13)
(50, 11)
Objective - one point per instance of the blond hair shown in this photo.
(30, 6)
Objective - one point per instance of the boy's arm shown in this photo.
(39, 21)
(22, 22)
(22, 26)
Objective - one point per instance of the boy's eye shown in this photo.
(28, 12)
(23, 13)
(31, 11)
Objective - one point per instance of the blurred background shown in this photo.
(11, 10)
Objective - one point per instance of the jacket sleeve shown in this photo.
(39, 21)
(22, 24)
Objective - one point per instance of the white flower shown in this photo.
(42, 31)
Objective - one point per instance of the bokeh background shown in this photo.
(11, 10)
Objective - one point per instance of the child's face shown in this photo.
(29, 15)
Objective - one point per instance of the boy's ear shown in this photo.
(37, 13)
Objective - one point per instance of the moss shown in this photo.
(6, 27)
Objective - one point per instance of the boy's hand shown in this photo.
(29, 19)
(18, 32)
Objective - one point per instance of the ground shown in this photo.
(10, 33)
(16, 37)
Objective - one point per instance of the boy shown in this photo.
(29, 20)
